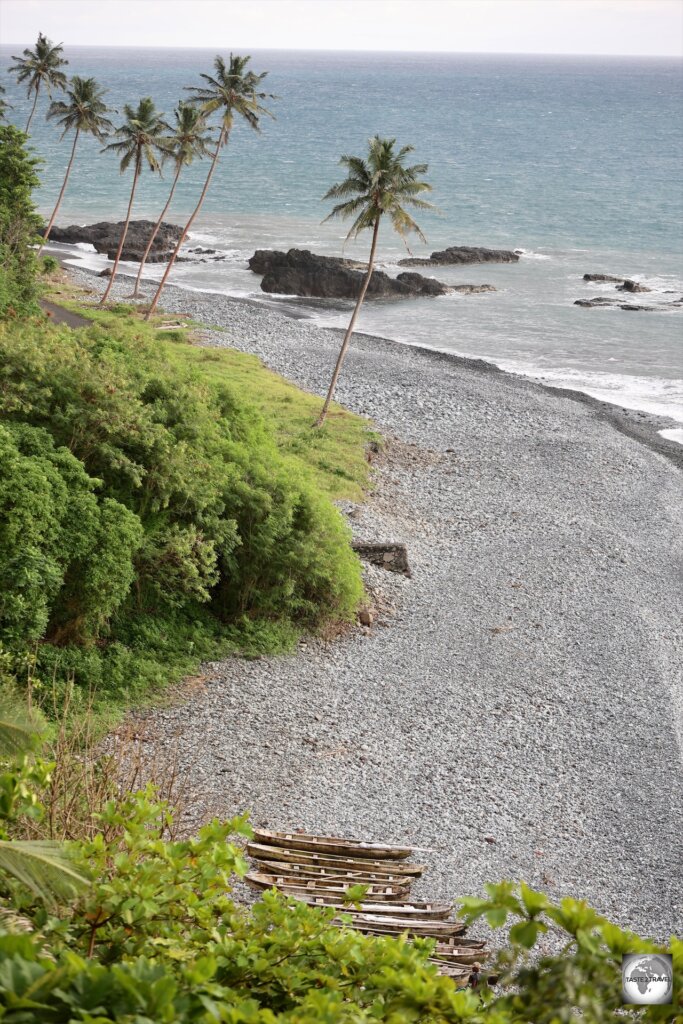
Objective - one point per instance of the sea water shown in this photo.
(575, 161)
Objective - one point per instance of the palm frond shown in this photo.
(380, 184)
(45, 867)
(18, 731)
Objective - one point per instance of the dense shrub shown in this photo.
(19, 225)
(66, 554)
(157, 937)
(158, 503)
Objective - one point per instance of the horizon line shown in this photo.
(326, 49)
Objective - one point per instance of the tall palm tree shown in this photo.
(190, 139)
(379, 185)
(143, 140)
(40, 67)
(84, 112)
(233, 91)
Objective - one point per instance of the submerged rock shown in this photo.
(632, 286)
(603, 277)
(599, 300)
(301, 272)
(106, 235)
(462, 254)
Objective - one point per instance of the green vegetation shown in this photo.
(19, 225)
(151, 515)
(155, 936)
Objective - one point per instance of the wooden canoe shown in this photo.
(262, 851)
(460, 956)
(451, 970)
(299, 889)
(332, 844)
(324, 884)
(461, 942)
(278, 867)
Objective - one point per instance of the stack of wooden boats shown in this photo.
(320, 869)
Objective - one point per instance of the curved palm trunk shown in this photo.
(61, 194)
(123, 233)
(349, 329)
(223, 137)
(30, 116)
(136, 290)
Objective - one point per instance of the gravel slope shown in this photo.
(520, 711)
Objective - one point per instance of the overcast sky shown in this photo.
(648, 27)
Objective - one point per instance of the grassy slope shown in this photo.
(335, 455)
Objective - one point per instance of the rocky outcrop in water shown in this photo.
(106, 235)
(603, 300)
(632, 286)
(301, 272)
(624, 284)
(462, 255)
(603, 278)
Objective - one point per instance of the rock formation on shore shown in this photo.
(462, 254)
(105, 236)
(301, 272)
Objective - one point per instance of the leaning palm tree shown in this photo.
(380, 185)
(190, 139)
(143, 140)
(233, 91)
(44, 866)
(84, 113)
(40, 67)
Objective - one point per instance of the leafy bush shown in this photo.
(19, 225)
(142, 501)
(66, 555)
(156, 937)
(48, 265)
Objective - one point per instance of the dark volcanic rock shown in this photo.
(472, 289)
(600, 300)
(462, 254)
(632, 286)
(603, 277)
(105, 236)
(300, 272)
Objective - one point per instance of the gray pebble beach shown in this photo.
(517, 708)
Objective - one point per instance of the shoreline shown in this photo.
(637, 424)
(518, 705)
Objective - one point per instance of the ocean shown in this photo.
(575, 161)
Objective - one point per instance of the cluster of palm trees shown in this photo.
(377, 185)
(144, 139)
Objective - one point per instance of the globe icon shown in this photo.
(647, 979)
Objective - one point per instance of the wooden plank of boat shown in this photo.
(379, 924)
(266, 880)
(433, 911)
(332, 844)
(263, 851)
(277, 867)
(461, 942)
(298, 890)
